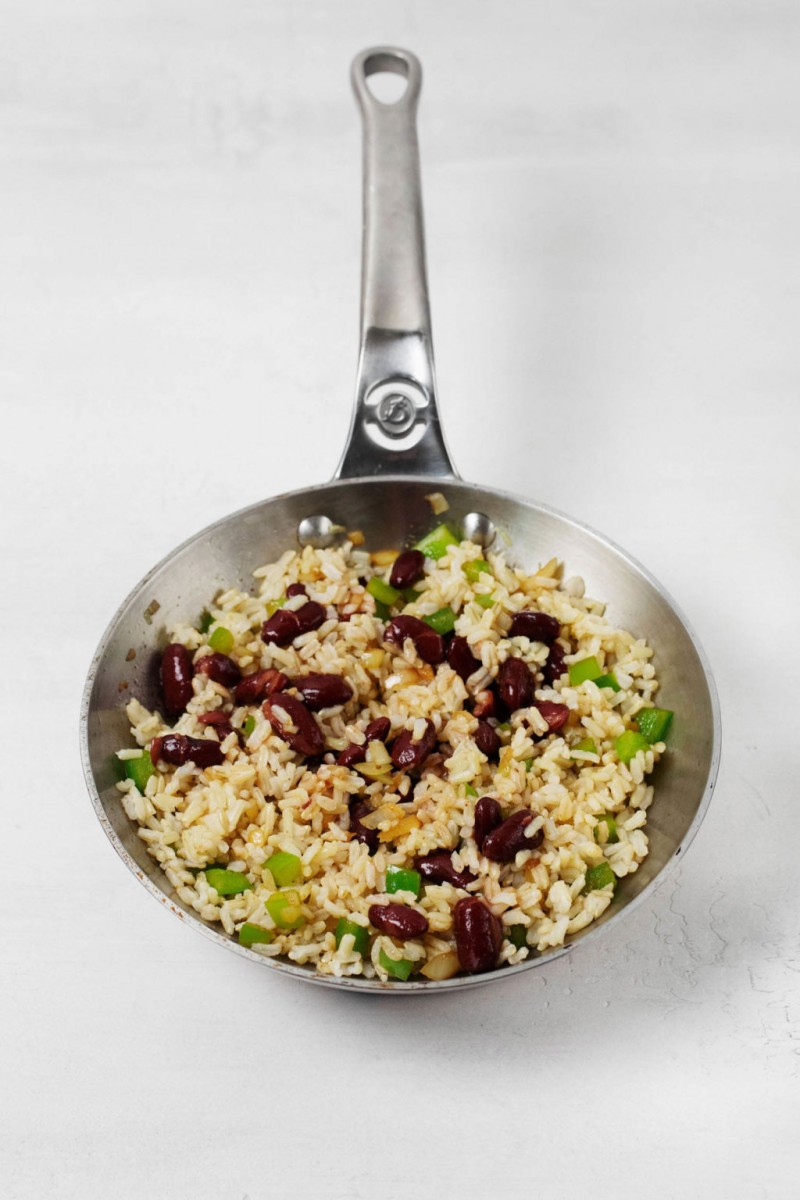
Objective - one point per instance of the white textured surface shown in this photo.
(612, 195)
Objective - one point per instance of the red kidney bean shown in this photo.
(370, 837)
(295, 589)
(307, 737)
(488, 816)
(479, 935)
(407, 568)
(323, 691)
(555, 666)
(505, 842)
(220, 668)
(438, 868)
(219, 721)
(515, 684)
(461, 658)
(176, 678)
(178, 749)
(485, 705)
(538, 626)
(406, 753)
(259, 686)
(398, 921)
(281, 628)
(376, 731)
(310, 616)
(428, 643)
(486, 739)
(556, 715)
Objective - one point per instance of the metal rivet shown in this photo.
(317, 531)
(396, 413)
(478, 528)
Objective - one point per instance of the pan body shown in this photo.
(391, 511)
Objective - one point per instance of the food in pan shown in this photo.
(399, 764)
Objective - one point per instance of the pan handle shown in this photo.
(395, 428)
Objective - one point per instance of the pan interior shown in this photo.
(390, 512)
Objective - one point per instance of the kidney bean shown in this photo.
(461, 658)
(479, 935)
(295, 589)
(505, 842)
(486, 739)
(398, 921)
(428, 643)
(259, 686)
(219, 721)
(488, 816)
(176, 678)
(538, 626)
(555, 666)
(515, 684)
(281, 628)
(220, 668)
(178, 749)
(323, 691)
(407, 753)
(438, 868)
(307, 736)
(407, 568)
(376, 731)
(485, 705)
(556, 715)
(370, 838)
(310, 616)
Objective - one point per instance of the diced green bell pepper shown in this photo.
(359, 932)
(436, 543)
(227, 883)
(221, 640)
(139, 769)
(584, 668)
(473, 570)
(205, 623)
(504, 727)
(285, 868)
(411, 595)
(443, 620)
(383, 591)
(599, 877)
(485, 601)
(470, 790)
(249, 725)
(399, 879)
(654, 723)
(606, 821)
(587, 746)
(250, 934)
(629, 743)
(382, 611)
(272, 606)
(517, 935)
(608, 680)
(397, 968)
(284, 908)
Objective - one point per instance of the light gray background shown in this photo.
(612, 195)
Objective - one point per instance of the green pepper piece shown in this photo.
(398, 968)
(411, 595)
(399, 879)
(469, 790)
(206, 621)
(629, 743)
(250, 934)
(654, 722)
(285, 868)
(608, 680)
(360, 935)
(485, 601)
(249, 725)
(436, 543)
(139, 769)
(528, 765)
(599, 877)
(284, 908)
(504, 727)
(517, 935)
(611, 830)
(584, 668)
(221, 639)
(272, 606)
(473, 570)
(227, 883)
(383, 591)
(588, 746)
(382, 611)
(443, 620)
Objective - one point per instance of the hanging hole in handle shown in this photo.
(386, 77)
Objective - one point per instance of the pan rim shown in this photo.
(358, 983)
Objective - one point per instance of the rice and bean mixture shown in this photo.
(393, 764)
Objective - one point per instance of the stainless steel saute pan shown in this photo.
(395, 456)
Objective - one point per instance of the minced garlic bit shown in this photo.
(437, 503)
